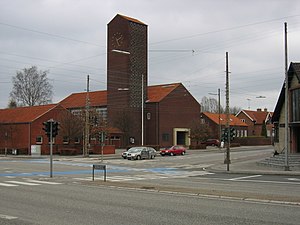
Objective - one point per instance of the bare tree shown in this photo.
(71, 126)
(124, 122)
(210, 105)
(31, 87)
(200, 131)
(12, 104)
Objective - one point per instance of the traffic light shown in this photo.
(47, 128)
(55, 128)
(232, 133)
(225, 135)
(102, 136)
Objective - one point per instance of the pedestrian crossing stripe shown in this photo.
(42, 182)
(146, 176)
(27, 182)
(7, 185)
(22, 183)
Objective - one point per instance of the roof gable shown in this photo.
(24, 114)
(257, 116)
(158, 92)
(131, 19)
(234, 121)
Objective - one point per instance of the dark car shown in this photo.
(174, 150)
(211, 142)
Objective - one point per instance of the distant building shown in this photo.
(256, 120)
(22, 129)
(212, 119)
(294, 112)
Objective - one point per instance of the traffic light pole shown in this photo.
(227, 115)
(51, 148)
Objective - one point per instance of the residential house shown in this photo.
(256, 120)
(218, 122)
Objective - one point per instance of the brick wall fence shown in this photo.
(252, 141)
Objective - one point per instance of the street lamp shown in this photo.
(219, 111)
(248, 99)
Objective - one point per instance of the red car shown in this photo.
(211, 142)
(174, 150)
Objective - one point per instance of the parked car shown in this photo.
(124, 154)
(174, 150)
(211, 142)
(141, 153)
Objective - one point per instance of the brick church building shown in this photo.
(135, 113)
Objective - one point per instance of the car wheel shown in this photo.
(182, 153)
(171, 154)
(138, 157)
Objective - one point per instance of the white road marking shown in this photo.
(294, 179)
(7, 217)
(41, 181)
(241, 178)
(181, 174)
(8, 185)
(23, 183)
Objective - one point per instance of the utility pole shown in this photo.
(87, 118)
(142, 142)
(219, 111)
(227, 160)
(286, 137)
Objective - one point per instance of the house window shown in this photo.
(77, 140)
(115, 138)
(165, 137)
(243, 120)
(296, 105)
(66, 140)
(39, 140)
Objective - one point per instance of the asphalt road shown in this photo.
(84, 204)
(167, 190)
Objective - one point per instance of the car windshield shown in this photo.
(135, 149)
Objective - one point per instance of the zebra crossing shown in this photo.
(148, 176)
(26, 182)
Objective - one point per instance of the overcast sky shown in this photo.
(187, 43)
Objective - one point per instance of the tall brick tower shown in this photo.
(127, 76)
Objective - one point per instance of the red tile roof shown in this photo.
(24, 114)
(78, 100)
(256, 116)
(158, 92)
(99, 98)
(131, 19)
(234, 121)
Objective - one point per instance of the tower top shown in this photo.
(129, 19)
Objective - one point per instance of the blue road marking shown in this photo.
(110, 169)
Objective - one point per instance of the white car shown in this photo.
(124, 154)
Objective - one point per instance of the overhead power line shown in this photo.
(49, 34)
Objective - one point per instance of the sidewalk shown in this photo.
(252, 167)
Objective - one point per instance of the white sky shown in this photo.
(68, 38)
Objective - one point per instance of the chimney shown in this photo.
(259, 110)
(265, 110)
